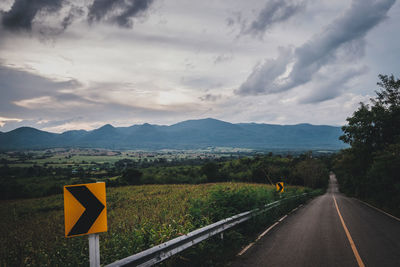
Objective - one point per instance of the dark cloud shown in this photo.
(293, 69)
(262, 78)
(45, 18)
(99, 9)
(18, 84)
(25, 15)
(329, 87)
(120, 12)
(274, 11)
(74, 12)
(23, 12)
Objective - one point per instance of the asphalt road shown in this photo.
(314, 235)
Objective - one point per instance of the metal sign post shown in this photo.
(94, 250)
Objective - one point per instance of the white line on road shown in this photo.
(258, 238)
(245, 249)
(265, 232)
(281, 219)
(390, 215)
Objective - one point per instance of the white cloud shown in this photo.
(38, 102)
(4, 120)
(74, 125)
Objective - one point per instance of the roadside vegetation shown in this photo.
(139, 217)
(370, 168)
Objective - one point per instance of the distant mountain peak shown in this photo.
(202, 122)
(104, 128)
(27, 129)
(107, 126)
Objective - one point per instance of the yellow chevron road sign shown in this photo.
(85, 209)
(279, 187)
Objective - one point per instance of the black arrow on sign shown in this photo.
(280, 187)
(93, 208)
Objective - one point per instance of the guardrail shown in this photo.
(165, 250)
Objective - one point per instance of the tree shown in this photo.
(369, 169)
(124, 164)
(211, 171)
(131, 176)
(374, 127)
(312, 172)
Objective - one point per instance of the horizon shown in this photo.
(71, 65)
(168, 125)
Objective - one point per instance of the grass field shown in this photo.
(139, 217)
(90, 157)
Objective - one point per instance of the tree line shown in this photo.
(370, 168)
(305, 170)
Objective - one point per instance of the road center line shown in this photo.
(352, 244)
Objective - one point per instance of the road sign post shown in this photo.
(85, 213)
(94, 250)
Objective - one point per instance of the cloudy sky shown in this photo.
(73, 64)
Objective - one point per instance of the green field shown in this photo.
(81, 157)
(139, 217)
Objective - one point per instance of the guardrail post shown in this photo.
(94, 250)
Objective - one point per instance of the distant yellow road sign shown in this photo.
(85, 210)
(279, 187)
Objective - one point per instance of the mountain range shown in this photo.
(190, 134)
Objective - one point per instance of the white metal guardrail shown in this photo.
(165, 250)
